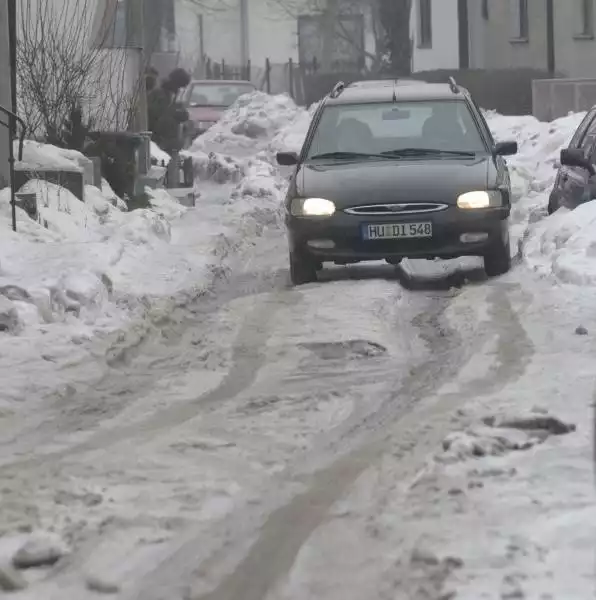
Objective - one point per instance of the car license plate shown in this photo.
(396, 231)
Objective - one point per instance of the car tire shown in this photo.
(497, 261)
(302, 269)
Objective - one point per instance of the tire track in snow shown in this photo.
(246, 361)
(414, 431)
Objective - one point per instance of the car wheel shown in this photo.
(302, 269)
(497, 261)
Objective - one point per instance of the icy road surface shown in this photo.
(381, 435)
(272, 443)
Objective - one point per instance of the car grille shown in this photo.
(411, 208)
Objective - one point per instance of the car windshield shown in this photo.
(215, 94)
(396, 129)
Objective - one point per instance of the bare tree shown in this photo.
(334, 30)
(388, 19)
(64, 66)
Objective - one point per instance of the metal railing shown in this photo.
(11, 126)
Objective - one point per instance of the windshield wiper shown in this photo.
(426, 152)
(348, 155)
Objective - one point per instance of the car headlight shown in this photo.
(480, 199)
(312, 207)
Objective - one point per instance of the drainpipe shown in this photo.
(244, 33)
(464, 34)
(550, 37)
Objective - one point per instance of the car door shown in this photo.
(576, 178)
(569, 179)
(503, 176)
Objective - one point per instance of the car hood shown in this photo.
(204, 113)
(349, 184)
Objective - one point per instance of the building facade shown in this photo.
(435, 34)
(551, 35)
(542, 34)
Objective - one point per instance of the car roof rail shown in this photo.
(338, 88)
(453, 86)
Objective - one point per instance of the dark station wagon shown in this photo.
(394, 169)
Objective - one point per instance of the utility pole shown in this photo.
(550, 38)
(12, 42)
(135, 31)
(5, 94)
(244, 33)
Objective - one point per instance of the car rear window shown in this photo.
(210, 94)
(381, 127)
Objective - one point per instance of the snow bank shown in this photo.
(64, 265)
(532, 169)
(37, 155)
(564, 244)
(252, 118)
(240, 151)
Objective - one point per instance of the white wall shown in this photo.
(444, 53)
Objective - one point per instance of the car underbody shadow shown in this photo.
(435, 276)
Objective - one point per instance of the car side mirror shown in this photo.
(505, 148)
(574, 157)
(287, 159)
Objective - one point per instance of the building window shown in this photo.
(425, 28)
(485, 13)
(586, 18)
(520, 20)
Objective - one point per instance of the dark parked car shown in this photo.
(395, 169)
(574, 183)
(206, 100)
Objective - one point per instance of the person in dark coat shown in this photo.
(165, 113)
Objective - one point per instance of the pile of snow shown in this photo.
(500, 434)
(216, 167)
(65, 266)
(79, 259)
(254, 118)
(564, 245)
(533, 168)
(37, 155)
(251, 132)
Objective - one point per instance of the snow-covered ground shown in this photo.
(359, 438)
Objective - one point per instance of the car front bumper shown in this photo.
(339, 238)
